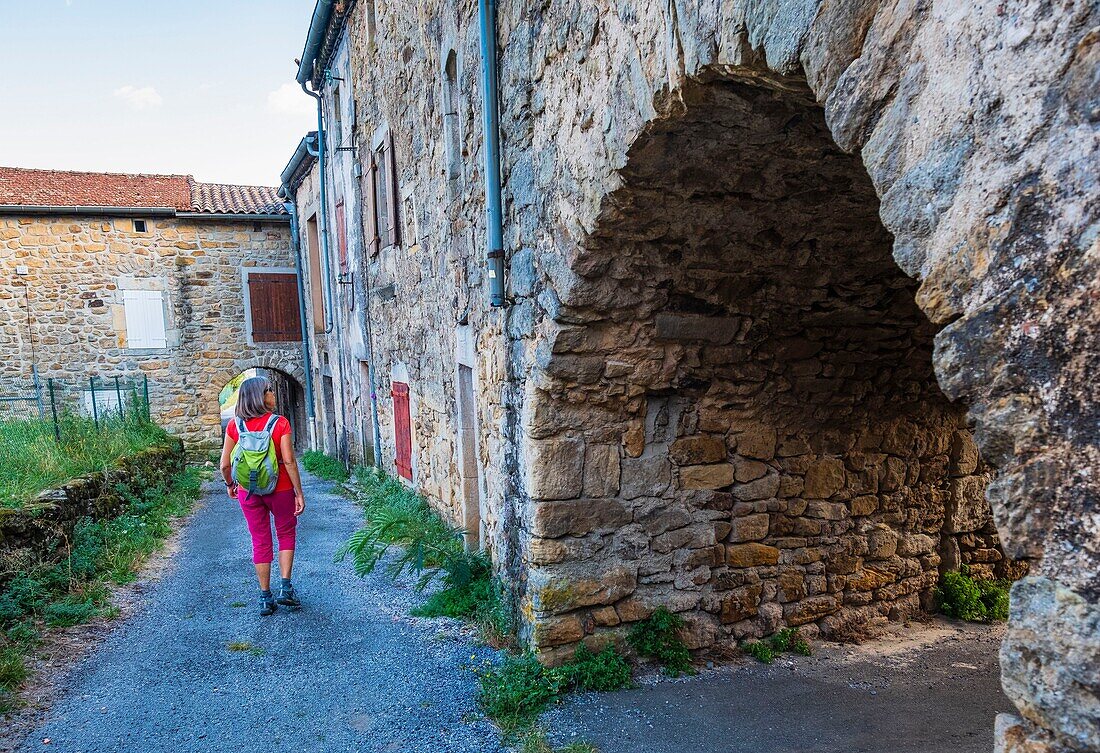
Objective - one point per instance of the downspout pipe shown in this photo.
(487, 12)
(322, 213)
(311, 411)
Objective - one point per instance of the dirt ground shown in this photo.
(924, 688)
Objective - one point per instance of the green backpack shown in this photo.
(255, 465)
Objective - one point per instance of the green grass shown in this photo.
(966, 598)
(325, 467)
(73, 588)
(31, 460)
(244, 647)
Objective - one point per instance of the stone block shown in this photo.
(644, 477)
(576, 517)
(863, 505)
(557, 593)
(963, 453)
(915, 544)
(555, 631)
(762, 488)
(698, 450)
(555, 468)
(882, 543)
(824, 478)
(966, 508)
(690, 537)
(706, 476)
(745, 470)
(698, 328)
(817, 508)
(751, 555)
(601, 470)
(605, 616)
(740, 603)
(810, 609)
(750, 528)
(757, 441)
(792, 585)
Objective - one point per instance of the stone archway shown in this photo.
(288, 380)
(638, 363)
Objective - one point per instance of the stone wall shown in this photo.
(974, 128)
(77, 270)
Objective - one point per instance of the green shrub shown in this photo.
(760, 651)
(658, 637)
(786, 640)
(514, 693)
(71, 610)
(963, 597)
(605, 671)
(324, 466)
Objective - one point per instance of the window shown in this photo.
(272, 306)
(144, 318)
(341, 237)
(452, 137)
(257, 227)
(337, 119)
(316, 289)
(402, 429)
(140, 226)
(383, 175)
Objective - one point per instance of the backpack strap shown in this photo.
(270, 425)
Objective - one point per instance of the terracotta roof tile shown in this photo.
(223, 198)
(27, 187)
(23, 186)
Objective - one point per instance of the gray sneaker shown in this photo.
(288, 598)
(267, 605)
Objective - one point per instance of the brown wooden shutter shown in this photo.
(402, 429)
(273, 301)
(391, 169)
(372, 206)
(342, 237)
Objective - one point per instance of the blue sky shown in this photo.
(167, 86)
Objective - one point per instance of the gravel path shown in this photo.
(349, 672)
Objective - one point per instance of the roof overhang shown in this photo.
(318, 28)
(300, 162)
(97, 211)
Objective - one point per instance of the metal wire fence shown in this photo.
(104, 399)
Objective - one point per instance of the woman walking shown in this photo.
(267, 438)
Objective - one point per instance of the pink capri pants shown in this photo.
(258, 511)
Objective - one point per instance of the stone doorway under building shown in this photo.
(742, 398)
(289, 401)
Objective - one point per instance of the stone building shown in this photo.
(185, 282)
(799, 309)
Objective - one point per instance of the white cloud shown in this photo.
(289, 99)
(139, 99)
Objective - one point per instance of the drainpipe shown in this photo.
(311, 412)
(487, 11)
(323, 211)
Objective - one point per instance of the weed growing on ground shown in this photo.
(658, 637)
(536, 741)
(31, 459)
(514, 693)
(74, 589)
(786, 640)
(324, 466)
(238, 604)
(395, 515)
(244, 647)
(966, 598)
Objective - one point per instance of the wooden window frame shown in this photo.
(383, 160)
(402, 420)
(341, 236)
(248, 272)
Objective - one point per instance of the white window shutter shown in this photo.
(144, 318)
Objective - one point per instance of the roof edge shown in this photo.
(318, 25)
(52, 209)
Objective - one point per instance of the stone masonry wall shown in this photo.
(976, 125)
(78, 267)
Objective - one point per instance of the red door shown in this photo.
(402, 429)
